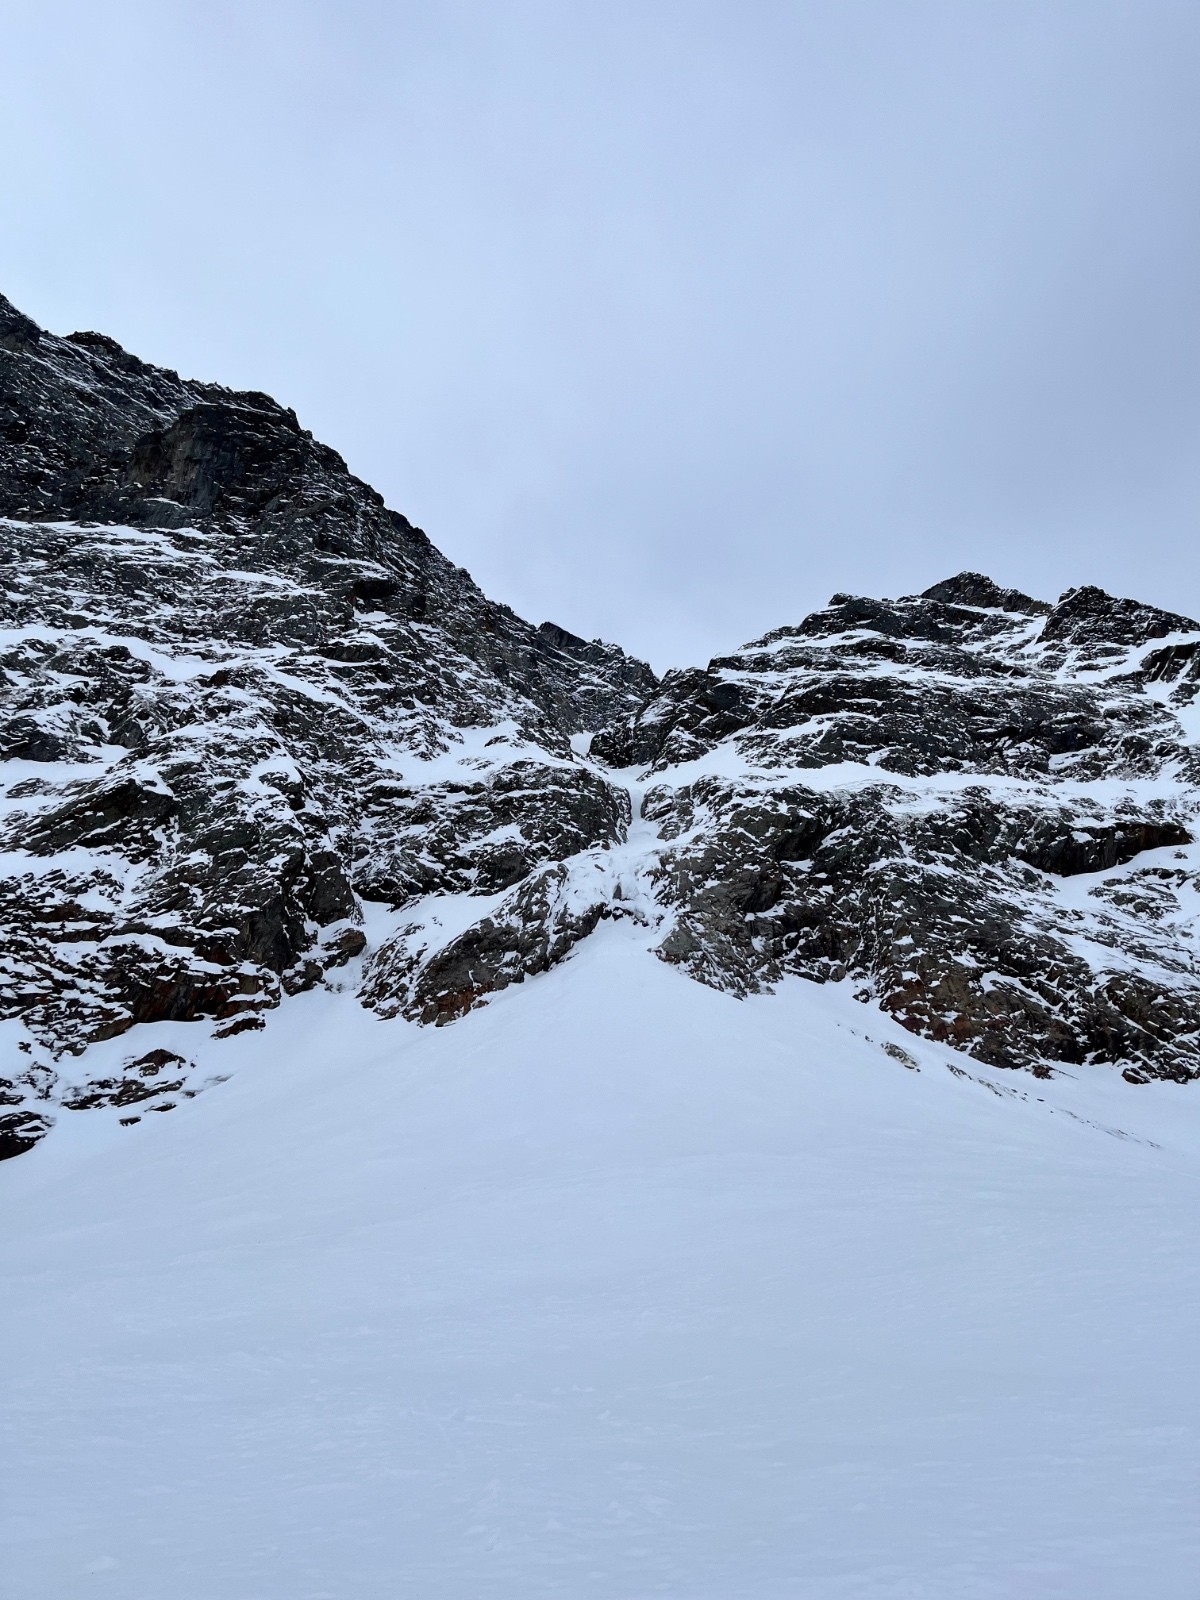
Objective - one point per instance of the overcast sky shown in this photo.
(664, 319)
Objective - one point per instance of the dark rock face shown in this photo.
(482, 837)
(981, 819)
(239, 696)
(939, 917)
(529, 932)
(20, 1131)
(90, 434)
(258, 735)
(1089, 616)
(973, 589)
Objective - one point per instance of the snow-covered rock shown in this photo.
(259, 735)
(977, 809)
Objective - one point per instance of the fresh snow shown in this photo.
(619, 1287)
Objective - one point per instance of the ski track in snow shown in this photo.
(622, 1288)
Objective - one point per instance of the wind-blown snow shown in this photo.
(622, 1289)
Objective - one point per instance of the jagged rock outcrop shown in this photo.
(976, 808)
(257, 734)
(426, 980)
(88, 433)
(238, 696)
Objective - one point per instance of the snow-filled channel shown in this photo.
(616, 1288)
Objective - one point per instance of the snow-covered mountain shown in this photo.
(775, 1216)
(255, 725)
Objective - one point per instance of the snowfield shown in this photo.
(619, 1287)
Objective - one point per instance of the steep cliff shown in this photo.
(257, 734)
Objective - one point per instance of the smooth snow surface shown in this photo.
(618, 1288)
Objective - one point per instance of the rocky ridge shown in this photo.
(258, 735)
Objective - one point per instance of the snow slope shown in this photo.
(619, 1287)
